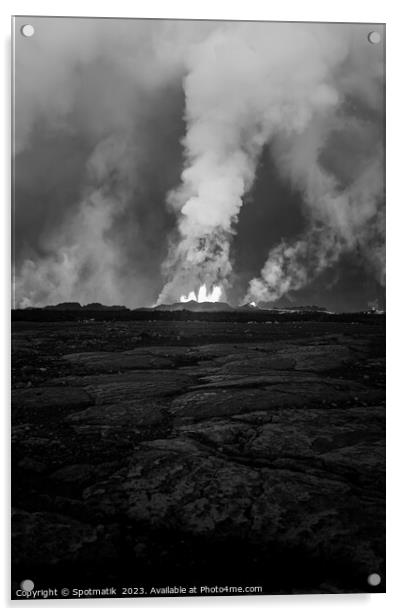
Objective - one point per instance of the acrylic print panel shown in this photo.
(198, 323)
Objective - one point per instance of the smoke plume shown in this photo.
(137, 144)
(340, 221)
(104, 95)
(249, 85)
(86, 259)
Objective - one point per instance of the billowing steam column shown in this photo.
(248, 85)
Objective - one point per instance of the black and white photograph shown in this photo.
(198, 308)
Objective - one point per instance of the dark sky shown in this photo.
(99, 146)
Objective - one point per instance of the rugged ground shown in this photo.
(199, 452)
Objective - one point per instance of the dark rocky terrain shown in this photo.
(199, 452)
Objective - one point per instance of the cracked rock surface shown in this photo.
(199, 452)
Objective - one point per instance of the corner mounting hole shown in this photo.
(374, 38)
(27, 30)
(374, 579)
(27, 585)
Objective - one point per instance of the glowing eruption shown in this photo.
(203, 295)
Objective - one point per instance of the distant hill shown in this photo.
(193, 306)
(77, 306)
(64, 306)
(97, 306)
(311, 308)
(284, 306)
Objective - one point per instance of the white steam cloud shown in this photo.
(340, 221)
(96, 79)
(249, 85)
(86, 265)
(289, 87)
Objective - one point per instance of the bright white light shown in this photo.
(253, 304)
(203, 295)
(191, 297)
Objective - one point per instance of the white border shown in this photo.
(296, 10)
